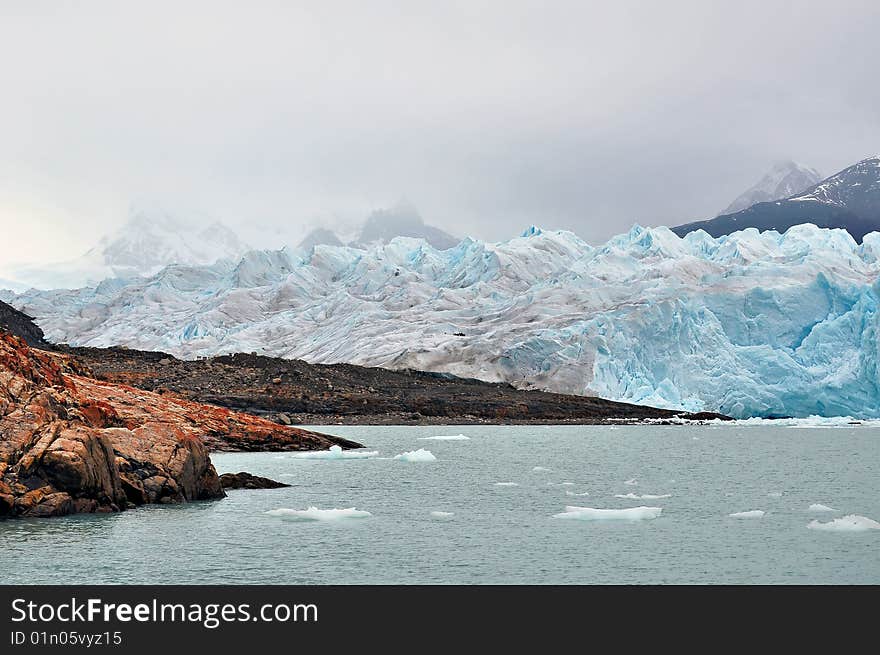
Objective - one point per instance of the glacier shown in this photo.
(751, 324)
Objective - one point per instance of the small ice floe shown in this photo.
(632, 496)
(593, 514)
(632, 482)
(315, 514)
(442, 515)
(818, 507)
(850, 523)
(420, 455)
(335, 452)
(774, 494)
(446, 437)
(506, 484)
(560, 484)
(541, 469)
(572, 493)
(751, 514)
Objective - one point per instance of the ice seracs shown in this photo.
(748, 324)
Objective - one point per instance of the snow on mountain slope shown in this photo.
(749, 324)
(784, 180)
(149, 241)
(849, 200)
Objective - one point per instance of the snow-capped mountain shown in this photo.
(381, 227)
(144, 245)
(849, 200)
(401, 221)
(749, 324)
(784, 180)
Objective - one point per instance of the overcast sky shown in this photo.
(488, 116)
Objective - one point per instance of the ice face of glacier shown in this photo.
(748, 324)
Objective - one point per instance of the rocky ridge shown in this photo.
(296, 392)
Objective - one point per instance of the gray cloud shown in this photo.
(489, 116)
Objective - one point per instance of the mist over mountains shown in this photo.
(849, 200)
(783, 180)
(756, 313)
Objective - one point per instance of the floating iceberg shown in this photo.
(420, 455)
(817, 507)
(446, 437)
(541, 469)
(850, 523)
(632, 483)
(774, 494)
(560, 484)
(632, 496)
(506, 484)
(592, 514)
(572, 493)
(442, 515)
(751, 514)
(315, 514)
(335, 452)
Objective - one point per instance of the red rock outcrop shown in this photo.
(70, 443)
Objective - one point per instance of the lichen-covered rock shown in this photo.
(70, 443)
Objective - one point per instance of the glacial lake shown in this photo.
(499, 533)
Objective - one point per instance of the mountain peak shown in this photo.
(783, 180)
(849, 199)
(149, 240)
(320, 236)
(402, 220)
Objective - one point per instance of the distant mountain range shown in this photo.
(849, 200)
(384, 225)
(150, 240)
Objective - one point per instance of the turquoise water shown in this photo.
(498, 534)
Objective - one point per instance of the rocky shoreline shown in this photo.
(71, 444)
(107, 429)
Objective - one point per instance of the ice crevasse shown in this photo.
(753, 324)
